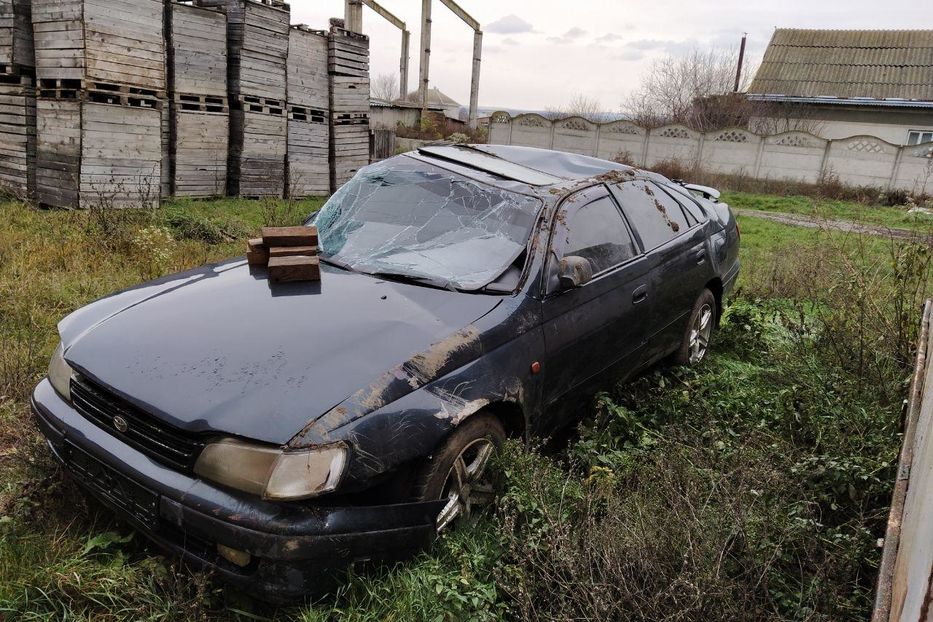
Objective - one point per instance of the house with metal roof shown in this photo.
(851, 82)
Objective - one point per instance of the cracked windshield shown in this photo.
(407, 218)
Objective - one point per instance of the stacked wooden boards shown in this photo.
(257, 44)
(308, 170)
(17, 99)
(199, 118)
(100, 67)
(348, 66)
(289, 253)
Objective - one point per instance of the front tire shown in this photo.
(457, 470)
(699, 333)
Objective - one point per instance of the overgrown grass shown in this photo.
(753, 487)
(893, 217)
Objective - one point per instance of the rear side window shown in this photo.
(686, 200)
(597, 233)
(656, 216)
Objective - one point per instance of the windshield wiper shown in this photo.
(336, 263)
(439, 283)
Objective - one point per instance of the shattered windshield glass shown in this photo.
(407, 218)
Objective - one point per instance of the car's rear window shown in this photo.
(409, 218)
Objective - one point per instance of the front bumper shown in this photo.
(296, 548)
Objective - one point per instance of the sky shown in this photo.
(538, 53)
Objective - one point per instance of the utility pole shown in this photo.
(738, 70)
(353, 16)
(424, 67)
(406, 36)
(477, 55)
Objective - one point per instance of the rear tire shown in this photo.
(699, 331)
(457, 470)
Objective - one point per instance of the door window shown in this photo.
(653, 213)
(597, 233)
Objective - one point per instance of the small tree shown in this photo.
(697, 90)
(384, 86)
(580, 105)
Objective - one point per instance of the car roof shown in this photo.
(527, 165)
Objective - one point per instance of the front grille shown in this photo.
(137, 501)
(154, 438)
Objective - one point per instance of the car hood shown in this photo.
(221, 349)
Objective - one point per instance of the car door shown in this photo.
(676, 254)
(594, 331)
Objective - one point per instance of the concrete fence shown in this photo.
(798, 156)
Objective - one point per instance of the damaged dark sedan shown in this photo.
(280, 432)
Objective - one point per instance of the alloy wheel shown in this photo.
(465, 486)
(700, 334)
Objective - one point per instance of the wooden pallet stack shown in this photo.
(100, 68)
(17, 99)
(257, 52)
(199, 117)
(308, 170)
(348, 66)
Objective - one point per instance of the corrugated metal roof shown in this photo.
(880, 64)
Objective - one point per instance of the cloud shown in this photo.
(631, 49)
(608, 38)
(574, 33)
(509, 41)
(509, 25)
(630, 55)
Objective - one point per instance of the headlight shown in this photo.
(270, 472)
(60, 373)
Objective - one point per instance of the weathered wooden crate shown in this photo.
(348, 66)
(58, 158)
(197, 50)
(199, 112)
(18, 139)
(307, 68)
(257, 40)
(17, 50)
(257, 164)
(308, 159)
(308, 167)
(98, 155)
(107, 45)
(121, 156)
(348, 53)
(349, 151)
(200, 155)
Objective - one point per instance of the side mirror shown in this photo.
(574, 271)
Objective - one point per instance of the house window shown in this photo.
(915, 137)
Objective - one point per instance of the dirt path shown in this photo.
(811, 222)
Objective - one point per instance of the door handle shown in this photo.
(701, 257)
(640, 294)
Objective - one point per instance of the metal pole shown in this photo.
(474, 83)
(403, 66)
(425, 55)
(738, 70)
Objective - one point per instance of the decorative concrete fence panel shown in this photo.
(673, 142)
(731, 150)
(915, 169)
(862, 161)
(576, 135)
(621, 141)
(531, 130)
(796, 156)
(500, 128)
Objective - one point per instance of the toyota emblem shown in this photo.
(120, 424)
